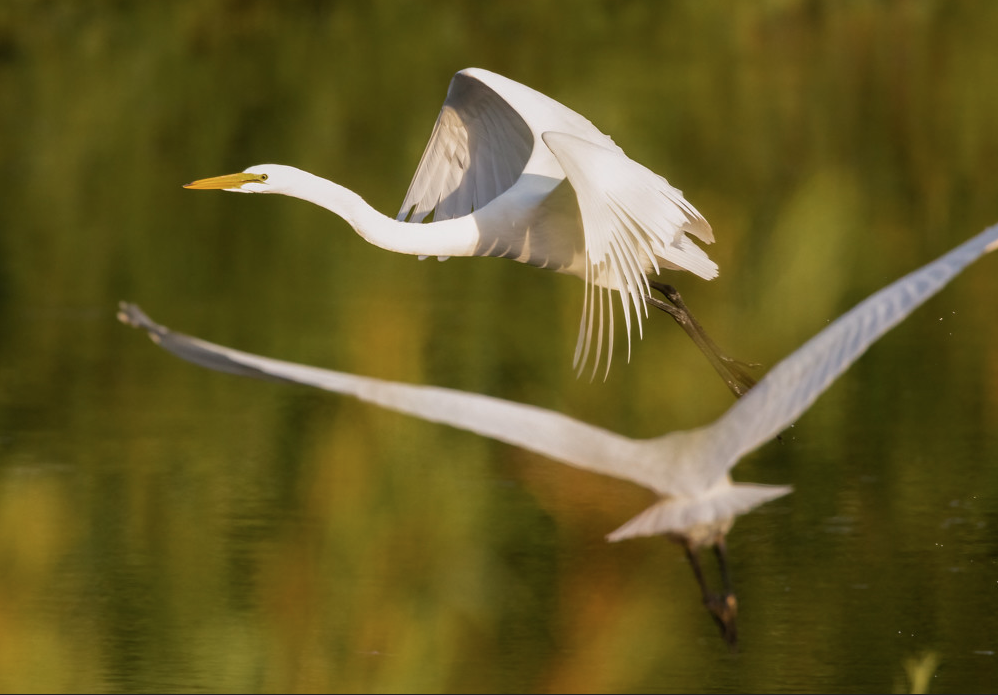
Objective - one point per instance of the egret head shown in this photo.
(262, 178)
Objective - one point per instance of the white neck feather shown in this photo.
(457, 237)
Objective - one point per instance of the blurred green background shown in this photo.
(167, 528)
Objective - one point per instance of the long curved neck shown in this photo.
(457, 237)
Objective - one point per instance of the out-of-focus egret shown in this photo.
(511, 172)
(687, 469)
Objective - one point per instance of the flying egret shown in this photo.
(511, 172)
(687, 469)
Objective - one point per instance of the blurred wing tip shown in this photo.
(131, 315)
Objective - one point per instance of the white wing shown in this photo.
(488, 135)
(794, 384)
(635, 223)
(478, 149)
(546, 432)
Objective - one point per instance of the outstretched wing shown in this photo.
(478, 148)
(546, 432)
(794, 384)
(635, 223)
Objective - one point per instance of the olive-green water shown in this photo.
(167, 528)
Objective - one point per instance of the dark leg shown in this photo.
(721, 551)
(691, 555)
(723, 608)
(731, 370)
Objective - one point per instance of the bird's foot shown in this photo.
(723, 608)
(733, 372)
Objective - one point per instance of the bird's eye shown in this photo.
(263, 177)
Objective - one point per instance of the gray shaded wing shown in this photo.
(478, 148)
(199, 352)
(546, 432)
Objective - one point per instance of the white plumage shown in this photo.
(511, 172)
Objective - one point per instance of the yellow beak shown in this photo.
(227, 181)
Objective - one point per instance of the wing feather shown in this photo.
(543, 431)
(478, 148)
(635, 223)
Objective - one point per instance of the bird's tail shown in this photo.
(699, 520)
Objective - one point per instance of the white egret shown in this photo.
(687, 469)
(511, 172)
